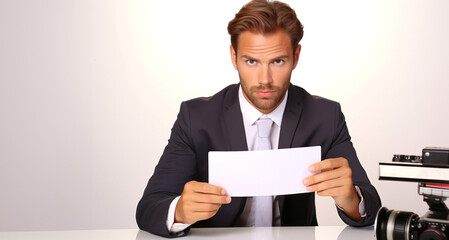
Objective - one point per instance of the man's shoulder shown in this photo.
(308, 99)
(316, 110)
(226, 96)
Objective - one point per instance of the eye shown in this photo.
(278, 61)
(251, 62)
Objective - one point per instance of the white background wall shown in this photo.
(89, 91)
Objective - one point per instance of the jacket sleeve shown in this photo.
(176, 166)
(343, 147)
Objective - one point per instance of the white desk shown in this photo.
(303, 233)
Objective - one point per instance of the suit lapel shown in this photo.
(290, 120)
(234, 121)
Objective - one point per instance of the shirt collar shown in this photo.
(251, 114)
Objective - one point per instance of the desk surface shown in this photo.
(262, 233)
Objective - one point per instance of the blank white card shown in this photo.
(262, 173)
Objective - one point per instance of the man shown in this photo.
(265, 49)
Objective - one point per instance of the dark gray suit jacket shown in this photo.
(216, 124)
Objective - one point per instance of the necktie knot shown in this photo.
(263, 133)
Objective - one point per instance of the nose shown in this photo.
(265, 77)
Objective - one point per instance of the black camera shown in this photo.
(431, 171)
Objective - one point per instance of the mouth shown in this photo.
(265, 94)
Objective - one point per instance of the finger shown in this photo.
(328, 175)
(202, 187)
(210, 198)
(203, 207)
(327, 164)
(336, 183)
(190, 195)
(193, 217)
(335, 192)
(191, 212)
(331, 192)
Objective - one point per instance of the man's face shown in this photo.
(265, 63)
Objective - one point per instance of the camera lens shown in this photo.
(393, 225)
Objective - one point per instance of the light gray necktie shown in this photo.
(263, 205)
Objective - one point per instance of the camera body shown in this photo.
(431, 171)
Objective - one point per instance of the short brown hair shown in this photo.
(262, 16)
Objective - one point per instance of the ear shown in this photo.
(298, 50)
(233, 57)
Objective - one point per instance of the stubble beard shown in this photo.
(264, 103)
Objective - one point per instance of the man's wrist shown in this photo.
(173, 227)
(361, 206)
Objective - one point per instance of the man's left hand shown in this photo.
(335, 180)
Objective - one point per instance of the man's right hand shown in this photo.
(199, 201)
